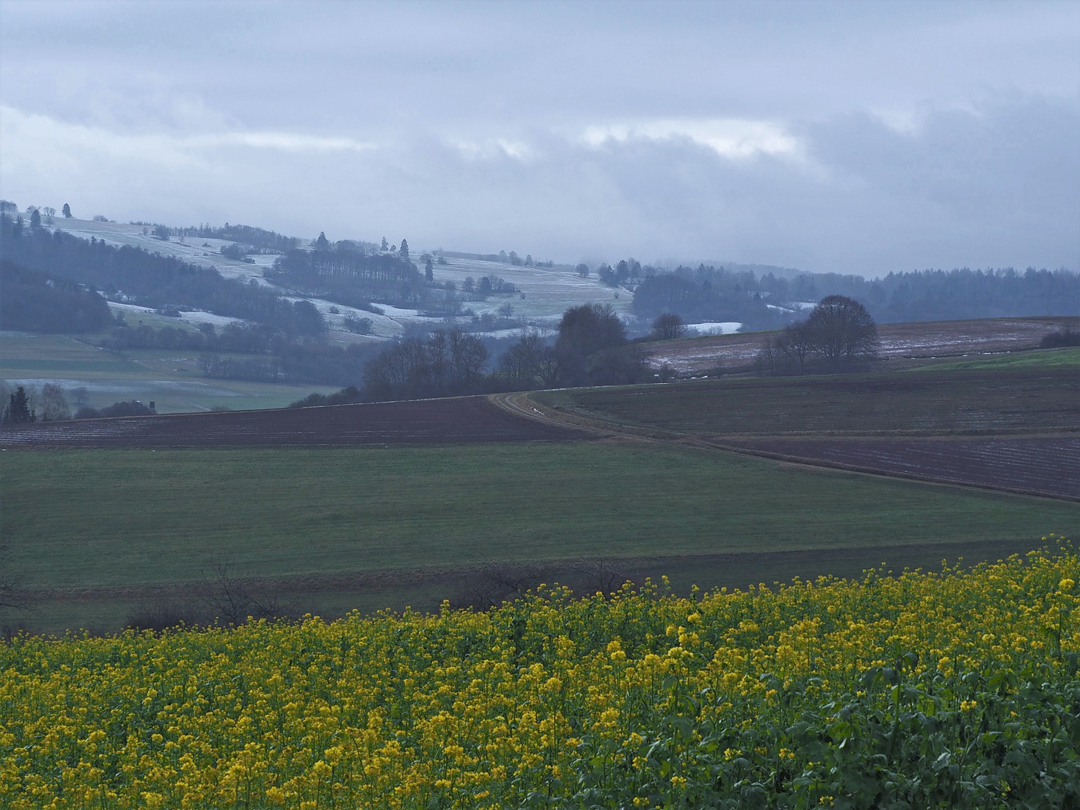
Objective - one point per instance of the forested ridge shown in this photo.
(37, 303)
(150, 279)
(760, 301)
(352, 277)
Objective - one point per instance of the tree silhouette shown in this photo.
(18, 409)
(67, 211)
(842, 332)
(669, 326)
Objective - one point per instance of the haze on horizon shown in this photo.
(835, 136)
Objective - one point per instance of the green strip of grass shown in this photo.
(1043, 358)
(117, 517)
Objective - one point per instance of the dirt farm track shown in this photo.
(1045, 465)
(462, 420)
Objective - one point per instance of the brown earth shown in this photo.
(460, 420)
(1031, 400)
(480, 586)
(1043, 465)
(899, 341)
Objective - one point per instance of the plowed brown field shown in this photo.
(898, 341)
(1036, 465)
(463, 420)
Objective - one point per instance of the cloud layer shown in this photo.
(857, 142)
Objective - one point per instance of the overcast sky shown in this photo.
(855, 137)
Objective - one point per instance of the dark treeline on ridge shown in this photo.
(765, 301)
(150, 279)
(251, 237)
(34, 302)
(351, 276)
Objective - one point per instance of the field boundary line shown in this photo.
(875, 471)
(523, 405)
(392, 578)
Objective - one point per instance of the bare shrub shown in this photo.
(233, 598)
(490, 585)
(163, 614)
(600, 575)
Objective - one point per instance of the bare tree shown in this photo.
(602, 574)
(521, 362)
(232, 597)
(668, 326)
(794, 345)
(11, 597)
(467, 357)
(51, 405)
(839, 331)
(842, 331)
(489, 585)
(549, 367)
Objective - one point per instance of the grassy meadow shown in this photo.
(171, 379)
(112, 519)
(1069, 356)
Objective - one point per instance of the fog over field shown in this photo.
(852, 137)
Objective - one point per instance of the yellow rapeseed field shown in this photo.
(918, 690)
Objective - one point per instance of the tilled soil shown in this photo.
(898, 341)
(462, 420)
(1032, 465)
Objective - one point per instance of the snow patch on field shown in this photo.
(195, 317)
(714, 328)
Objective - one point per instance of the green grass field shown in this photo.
(1006, 399)
(171, 379)
(117, 518)
(1040, 358)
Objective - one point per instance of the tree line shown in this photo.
(46, 404)
(591, 348)
(257, 239)
(239, 337)
(352, 277)
(36, 302)
(764, 301)
(150, 279)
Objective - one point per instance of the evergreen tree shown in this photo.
(67, 211)
(35, 219)
(404, 250)
(18, 409)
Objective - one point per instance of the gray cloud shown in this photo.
(853, 137)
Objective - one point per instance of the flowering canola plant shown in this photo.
(952, 689)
